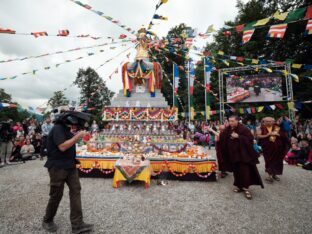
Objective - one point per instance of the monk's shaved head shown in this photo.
(268, 121)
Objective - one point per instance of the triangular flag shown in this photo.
(273, 107)
(298, 66)
(260, 108)
(295, 77)
(277, 31)
(308, 14)
(247, 35)
(262, 22)
(296, 15)
(280, 16)
(210, 29)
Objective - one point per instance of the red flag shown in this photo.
(253, 110)
(240, 59)
(279, 106)
(240, 28)
(308, 13)
(227, 33)
(2, 30)
(122, 36)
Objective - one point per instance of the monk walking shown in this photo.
(275, 144)
(239, 156)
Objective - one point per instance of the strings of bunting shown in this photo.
(34, 71)
(62, 52)
(61, 33)
(155, 16)
(275, 31)
(109, 18)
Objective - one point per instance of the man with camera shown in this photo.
(61, 164)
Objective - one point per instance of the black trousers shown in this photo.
(58, 177)
(43, 148)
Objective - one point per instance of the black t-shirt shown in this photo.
(56, 158)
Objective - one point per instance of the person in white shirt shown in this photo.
(27, 151)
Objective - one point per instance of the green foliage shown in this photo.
(94, 93)
(58, 99)
(14, 114)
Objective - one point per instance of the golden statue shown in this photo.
(142, 47)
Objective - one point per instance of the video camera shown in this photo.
(72, 118)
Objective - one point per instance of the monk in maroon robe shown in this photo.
(275, 145)
(221, 166)
(239, 156)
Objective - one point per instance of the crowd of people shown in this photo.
(27, 140)
(22, 141)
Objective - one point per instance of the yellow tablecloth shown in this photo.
(145, 176)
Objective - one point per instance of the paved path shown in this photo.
(180, 207)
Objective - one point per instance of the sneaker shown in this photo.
(84, 227)
(49, 227)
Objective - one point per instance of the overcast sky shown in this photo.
(53, 15)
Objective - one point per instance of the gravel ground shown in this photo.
(180, 207)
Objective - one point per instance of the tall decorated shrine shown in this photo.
(141, 98)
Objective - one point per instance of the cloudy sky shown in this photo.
(53, 15)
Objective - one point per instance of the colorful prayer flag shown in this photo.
(280, 16)
(308, 14)
(176, 82)
(262, 22)
(39, 34)
(309, 27)
(247, 35)
(63, 33)
(296, 15)
(208, 69)
(277, 31)
(240, 28)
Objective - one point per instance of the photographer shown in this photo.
(6, 136)
(61, 164)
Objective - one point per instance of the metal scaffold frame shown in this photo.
(288, 81)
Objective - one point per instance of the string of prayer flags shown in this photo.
(247, 35)
(39, 34)
(277, 31)
(309, 27)
(101, 14)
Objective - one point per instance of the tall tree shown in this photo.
(94, 93)
(58, 99)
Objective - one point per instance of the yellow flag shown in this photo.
(280, 16)
(294, 65)
(262, 22)
(220, 52)
(241, 110)
(255, 61)
(210, 29)
(260, 108)
(291, 105)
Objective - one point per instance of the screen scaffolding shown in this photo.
(288, 81)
